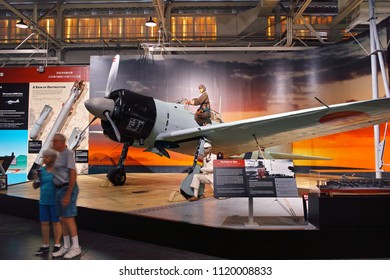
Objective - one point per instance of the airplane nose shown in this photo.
(98, 106)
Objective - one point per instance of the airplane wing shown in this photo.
(238, 137)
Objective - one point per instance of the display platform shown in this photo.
(350, 210)
(142, 210)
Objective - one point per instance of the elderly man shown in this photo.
(206, 171)
(67, 191)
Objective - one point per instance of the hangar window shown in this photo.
(49, 25)
(135, 28)
(10, 34)
(190, 28)
(82, 29)
(277, 27)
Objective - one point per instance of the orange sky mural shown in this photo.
(350, 150)
(107, 152)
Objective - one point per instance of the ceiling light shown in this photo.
(21, 24)
(150, 22)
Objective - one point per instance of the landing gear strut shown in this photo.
(117, 176)
(185, 188)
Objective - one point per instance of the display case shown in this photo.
(350, 182)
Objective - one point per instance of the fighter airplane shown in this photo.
(141, 121)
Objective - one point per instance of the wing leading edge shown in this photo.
(238, 137)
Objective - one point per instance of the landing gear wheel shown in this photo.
(117, 176)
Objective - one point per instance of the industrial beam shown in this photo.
(301, 10)
(352, 5)
(223, 49)
(24, 51)
(160, 12)
(49, 12)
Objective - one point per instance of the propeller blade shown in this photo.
(117, 134)
(112, 75)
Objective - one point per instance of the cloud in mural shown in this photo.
(238, 75)
(137, 86)
(257, 78)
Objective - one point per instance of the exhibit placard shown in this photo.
(34, 146)
(229, 178)
(254, 178)
(81, 156)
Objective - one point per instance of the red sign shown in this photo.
(49, 74)
(229, 163)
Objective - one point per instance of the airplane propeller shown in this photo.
(117, 134)
(112, 75)
(104, 109)
(110, 85)
(97, 105)
(126, 117)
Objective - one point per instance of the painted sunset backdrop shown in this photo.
(247, 86)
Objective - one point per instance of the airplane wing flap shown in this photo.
(238, 137)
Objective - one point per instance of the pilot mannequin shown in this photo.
(202, 115)
(206, 172)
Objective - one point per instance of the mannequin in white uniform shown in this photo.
(206, 171)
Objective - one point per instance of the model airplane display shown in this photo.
(9, 102)
(350, 185)
(141, 121)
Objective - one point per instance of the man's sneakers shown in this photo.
(72, 253)
(60, 252)
(42, 250)
(67, 253)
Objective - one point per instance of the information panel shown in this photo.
(254, 178)
(229, 178)
(14, 106)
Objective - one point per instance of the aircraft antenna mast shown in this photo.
(376, 52)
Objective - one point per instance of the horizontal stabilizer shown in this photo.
(277, 155)
(273, 155)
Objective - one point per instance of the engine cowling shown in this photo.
(134, 115)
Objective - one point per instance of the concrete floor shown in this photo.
(268, 213)
(21, 237)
